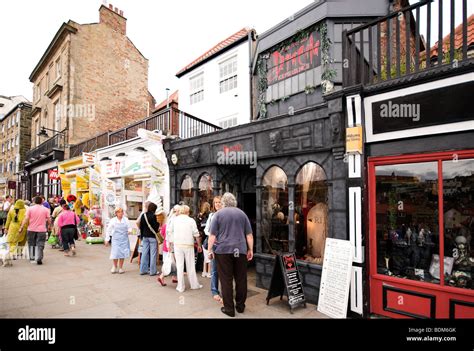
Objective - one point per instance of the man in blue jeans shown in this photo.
(216, 206)
(148, 227)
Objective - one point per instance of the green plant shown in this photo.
(309, 89)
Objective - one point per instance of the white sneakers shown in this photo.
(117, 270)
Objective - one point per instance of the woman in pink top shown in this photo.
(67, 223)
(162, 220)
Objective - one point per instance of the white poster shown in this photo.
(336, 278)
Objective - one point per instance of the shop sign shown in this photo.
(336, 278)
(286, 280)
(11, 185)
(88, 158)
(53, 174)
(150, 135)
(113, 168)
(354, 140)
(421, 110)
(295, 58)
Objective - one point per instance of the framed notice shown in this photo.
(336, 278)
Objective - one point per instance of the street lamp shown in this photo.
(43, 132)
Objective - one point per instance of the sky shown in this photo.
(170, 34)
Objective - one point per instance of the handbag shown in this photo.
(168, 264)
(158, 235)
(76, 233)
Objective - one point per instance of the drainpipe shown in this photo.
(250, 39)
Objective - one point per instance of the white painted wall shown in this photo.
(216, 106)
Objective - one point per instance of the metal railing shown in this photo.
(395, 46)
(54, 143)
(170, 121)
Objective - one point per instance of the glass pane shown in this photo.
(275, 211)
(187, 192)
(311, 213)
(458, 197)
(407, 221)
(205, 191)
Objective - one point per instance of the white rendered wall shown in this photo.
(216, 106)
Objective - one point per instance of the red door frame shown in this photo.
(377, 280)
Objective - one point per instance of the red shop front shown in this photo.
(421, 213)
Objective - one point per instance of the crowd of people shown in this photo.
(27, 226)
(221, 234)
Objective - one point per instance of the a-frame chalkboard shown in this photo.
(286, 280)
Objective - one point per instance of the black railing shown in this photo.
(50, 145)
(170, 121)
(395, 45)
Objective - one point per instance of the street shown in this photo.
(83, 287)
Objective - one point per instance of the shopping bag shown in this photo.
(53, 240)
(168, 263)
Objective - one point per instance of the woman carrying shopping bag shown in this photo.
(169, 263)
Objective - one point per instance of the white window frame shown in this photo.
(228, 77)
(18, 114)
(38, 91)
(57, 115)
(196, 91)
(57, 67)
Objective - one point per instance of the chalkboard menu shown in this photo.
(286, 281)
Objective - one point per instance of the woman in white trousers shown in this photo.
(183, 232)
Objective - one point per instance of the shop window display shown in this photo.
(458, 205)
(407, 221)
(311, 213)
(275, 211)
(187, 192)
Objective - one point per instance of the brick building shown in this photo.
(15, 124)
(90, 79)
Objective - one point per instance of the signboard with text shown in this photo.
(336, 278)
(53, 174)
(295, 58)
(286, 280)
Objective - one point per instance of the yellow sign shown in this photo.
(354, 140)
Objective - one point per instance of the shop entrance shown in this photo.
(241, 181)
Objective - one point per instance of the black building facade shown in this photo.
(287, 167)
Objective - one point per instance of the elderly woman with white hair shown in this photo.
(117, 235)
(182, 233)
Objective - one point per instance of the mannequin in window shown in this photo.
(317, 228)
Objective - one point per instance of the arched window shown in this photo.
(311, 213)
(275, 211)
(187, 192)
(205, 191)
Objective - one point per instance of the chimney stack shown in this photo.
(113, 17)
